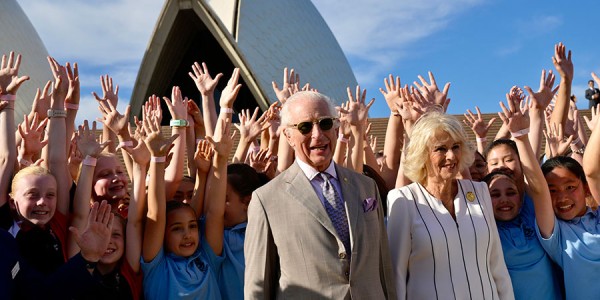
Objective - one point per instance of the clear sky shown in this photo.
(482, 47)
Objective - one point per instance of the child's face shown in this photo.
(184, 192)
(478, 169)
(110, 180)
(567, 193)
(236, 211)
(116, 246)
(505, 198)
(504, 156)
(35, 198)
(181, 233)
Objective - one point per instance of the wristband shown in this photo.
(158, 159)
(71, 106)
(227, 110)
(89, 264)
(520, 133)
(395, 114)
(578, 151)
(24, 162)
(8, 97)
(57, 113)
(89, 161)
(342, 139)
(126, 144)
(179, 123)
(483, 139)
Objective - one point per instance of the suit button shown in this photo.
(342, 255)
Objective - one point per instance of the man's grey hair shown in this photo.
(314, 96)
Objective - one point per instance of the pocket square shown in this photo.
(369, 204)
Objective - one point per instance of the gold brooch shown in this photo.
(470, 196)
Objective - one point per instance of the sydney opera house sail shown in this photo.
(258, 36)
(18, 34)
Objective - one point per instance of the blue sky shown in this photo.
(482, 47)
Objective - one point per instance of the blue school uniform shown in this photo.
(169, 276)
(575, 246)
(231, 278)
(532, 272)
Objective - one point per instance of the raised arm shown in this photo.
(90, 148)
(203, 160)
(539, 101)
(394, 131)
(174, 171)
(72, 99)
(110, 93)
(358, 114)
(119, 126)
(564, 66)
(479, 127)
(57, 146)
(206, 85)
(591, 156)
(9, 85)
(217, 187)
(518, 124)
(249, 128)
(156, 217)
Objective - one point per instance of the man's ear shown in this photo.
(288, 137)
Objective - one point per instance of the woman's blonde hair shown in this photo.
(426, 128)
(31, 170)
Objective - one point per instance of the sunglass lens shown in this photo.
(326, 124)
(305, 127)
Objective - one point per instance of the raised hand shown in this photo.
(542, 98)
(203, 155)
(392, 92)
(31, 136)
(152, 108)
(204, 82)
(94, 239)
(112, 119)
(273, 119)
(562, 62)
(223, 145)
(139, 152)
(407, 108)
(87, 142)
(177, 106)
(555, 140)
(156, 143)
(73, 93)
(9, 74)
(231, 90)
(477, 124)
(109, 92)
(358, 110)
(432, 93)
(288, 81)
(514, 119)
(41, 102)
(249, 127)
(261, 160)
(61, 84)
(591, 122)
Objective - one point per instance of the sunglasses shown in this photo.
(325, 123)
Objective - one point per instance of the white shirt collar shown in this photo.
(311, 172)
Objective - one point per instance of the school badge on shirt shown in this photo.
(470, 196)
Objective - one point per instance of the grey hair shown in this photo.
(304, 95)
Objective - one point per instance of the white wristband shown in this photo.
(342, 139)
(126, 144)
(483, 139)
(158, 159)
(520, 133)
(89, 161)
(227, 110)
(24, 162)
(8, 97)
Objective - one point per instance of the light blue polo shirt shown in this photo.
(532, 272)
(231, 278)
(575, 246)
(169, 276)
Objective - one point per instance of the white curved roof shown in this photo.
(261, 37)
(17, 34)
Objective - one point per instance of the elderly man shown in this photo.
(316, 231)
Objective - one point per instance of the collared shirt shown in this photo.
(575, 246)
(316, 180)
(533, 274)
(231, 279)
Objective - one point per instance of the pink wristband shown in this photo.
(8, 97)
(89, 161)
(24, 162)
(520, 133)
(342, 139)
(126, 144)
(71, 106)
(483, 139)
(158, 159)
(227, 110)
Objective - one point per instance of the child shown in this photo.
(177, 261)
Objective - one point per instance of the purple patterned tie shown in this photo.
(334, 205)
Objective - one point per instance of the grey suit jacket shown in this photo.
(292, 250)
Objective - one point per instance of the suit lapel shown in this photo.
(301, 190)
(350, 194)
